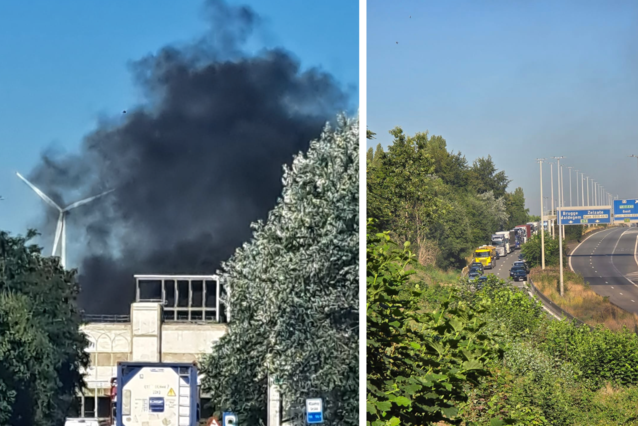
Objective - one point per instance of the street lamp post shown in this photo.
(551, 182)
(540, 162)
(634, 156)
(571, 204)
(577, 203)
(560, 232)
(582, 189)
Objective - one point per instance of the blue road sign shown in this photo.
(626, 210)
(588, 215)
(229, 419)
(314, 411)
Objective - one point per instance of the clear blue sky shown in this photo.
(514, 79)
(64, 64)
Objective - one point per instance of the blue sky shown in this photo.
(514, 79)
(66, 64)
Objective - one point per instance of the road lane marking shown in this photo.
(611, 259)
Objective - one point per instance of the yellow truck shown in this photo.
(485, 255)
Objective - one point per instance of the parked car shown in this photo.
(521, 257)
(518, 273)
(479, 266)
(521, 264)
(473, 276)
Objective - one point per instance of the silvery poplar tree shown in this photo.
(294, 293)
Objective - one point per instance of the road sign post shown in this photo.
(626, 211)
(314, 411)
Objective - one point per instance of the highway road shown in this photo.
(608, 260)
(503, 266)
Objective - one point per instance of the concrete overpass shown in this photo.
(174, 318)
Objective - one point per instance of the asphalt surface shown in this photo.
(503, 266)
(609, 263)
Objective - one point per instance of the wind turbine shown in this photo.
(60, 231)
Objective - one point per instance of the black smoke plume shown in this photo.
(192, 166)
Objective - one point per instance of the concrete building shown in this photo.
(174, 318)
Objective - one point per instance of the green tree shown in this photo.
(516, 211)
(370, 155)
(484, 177)
(41, 346)
(402, 188)
(294, 293)
(451, 168)
(378, 154)
(532, 251)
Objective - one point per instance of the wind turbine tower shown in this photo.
(60, 231)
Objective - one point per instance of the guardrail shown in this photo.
(557, 310)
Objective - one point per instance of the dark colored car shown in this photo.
(518, 274)
(477, 265)
(480, 282)
(473, 276)
(521, 264)
(521, 257)
(476, 269)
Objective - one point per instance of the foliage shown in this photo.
(41, 347)
(294, 294)
(516, 211)
(423, 193)
(484, 177)
(533, 255)
(418, 363)
(404, 189)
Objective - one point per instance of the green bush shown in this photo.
(419, 364)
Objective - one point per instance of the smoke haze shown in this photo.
(193, 166)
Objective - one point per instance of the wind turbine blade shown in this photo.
(40, 193)
(86, 200)
(58, 232)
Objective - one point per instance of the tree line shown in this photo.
(433, 197)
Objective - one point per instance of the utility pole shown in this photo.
(634, 156)
(560, 233)
(551, 181)
(571, 204)
(540, 162)
(577, 203)
(561, 191)
(582, 189)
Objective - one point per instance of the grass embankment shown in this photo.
(580, 301)
(433, 276)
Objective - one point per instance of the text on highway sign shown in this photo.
(626, 210)
(578, 216)
(314, 410)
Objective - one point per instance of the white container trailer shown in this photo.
(157, 394)
(508, 241)
(498, 241)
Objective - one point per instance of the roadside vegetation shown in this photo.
(439, 350)
(580, 301)
(447, 354)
